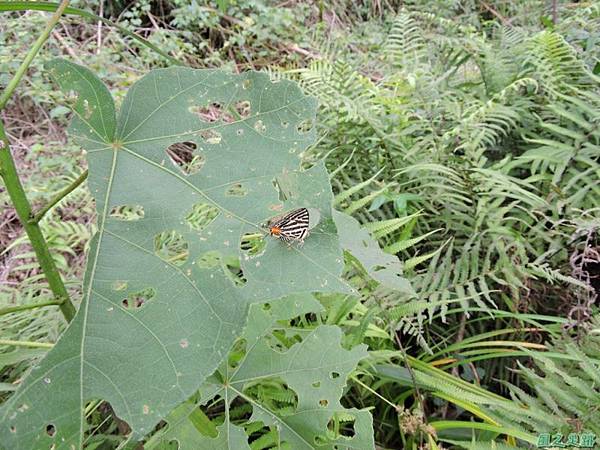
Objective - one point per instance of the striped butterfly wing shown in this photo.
(292, 226)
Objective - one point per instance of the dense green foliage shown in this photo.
(463, 137)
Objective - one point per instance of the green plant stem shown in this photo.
(374, 392)
(12, 309)
(15, 190)
(441, 425)
(26, 344)
(12, 84)
(58, 197)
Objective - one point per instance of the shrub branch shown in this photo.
(58, 197)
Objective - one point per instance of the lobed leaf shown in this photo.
(385, 268)
(315, 370)
(168, 281)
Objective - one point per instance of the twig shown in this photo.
(153, 20)
(503, 19)
(295, 48)
(375, 393)
(12, 309)
(229, 18)
(475, 374)
(459, 337)
(99, 33)
(412, 376)
(58, 197)
(56, 35)
(26, 343)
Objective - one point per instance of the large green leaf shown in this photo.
(163, 296)
(314, 370)
(185, 432)
(381, 266)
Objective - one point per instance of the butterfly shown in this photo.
(290, 227)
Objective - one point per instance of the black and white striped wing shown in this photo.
(293, 226)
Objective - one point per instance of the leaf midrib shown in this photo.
(85, 303)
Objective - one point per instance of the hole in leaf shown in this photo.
(378, 268)
(182, 155)
(119, 285)
(320, 439)
(242, 108)
(261, 436)
(209, 260)
(305, 126)
(334, 375)
(228, 117)
(302, 319)
(316, 384)
(285, 124)
(50, 430)
(247, 84)
(240, 132)
(276, 342)
(201, 215)
(213, 408)
(211, 113)
(240, 410)
(138, 299)
(266, 307)
(211, 136)
(278, 395)
(127, 212)
(13, 429)
(173, 444)
(253, 244)
(171, 247)
(236, 190)
(323, 403)
(237, 353)
(102, 414)
(234, 271)
(341, 424)
(295, 339)
(260, 127)
(280, 192)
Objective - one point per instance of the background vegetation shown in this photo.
(464, 136)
